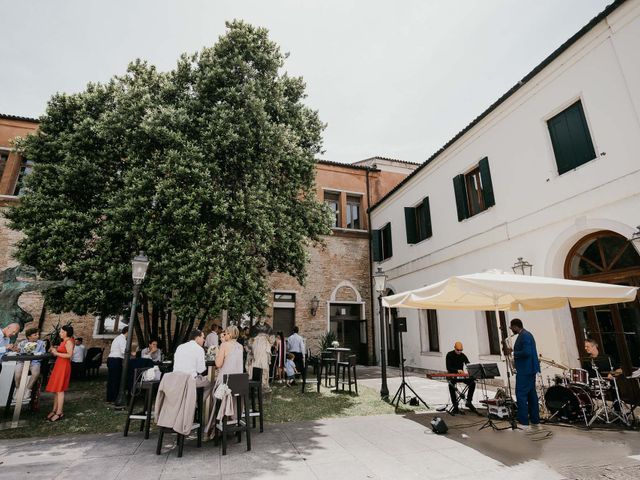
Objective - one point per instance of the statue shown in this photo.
(11, 288)
(260, 350)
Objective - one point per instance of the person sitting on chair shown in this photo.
(456, 360)
(77, 360)
(33, 336)
(595, 359)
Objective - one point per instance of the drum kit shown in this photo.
(573, 396)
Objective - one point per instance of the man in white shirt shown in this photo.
(189, 358)
(114, 364)
(77, 359)
(212, 339)
(295, 345)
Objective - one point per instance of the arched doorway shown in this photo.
(607, 257)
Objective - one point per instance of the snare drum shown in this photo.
(579, 376)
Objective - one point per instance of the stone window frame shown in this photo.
(342, 208)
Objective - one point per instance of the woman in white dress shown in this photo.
(229, 357)
(228, 361)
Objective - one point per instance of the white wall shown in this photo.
(538, 214)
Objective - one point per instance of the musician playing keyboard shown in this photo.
(456, 360)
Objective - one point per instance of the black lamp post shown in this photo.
(139, 267)
(380, 279)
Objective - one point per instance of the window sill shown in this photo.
(9, 200)
(105, 336)
(478, 214)
(579, 167)
(489, 357)
(349, 232)
(431, 354)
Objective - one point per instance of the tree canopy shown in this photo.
(208, 168)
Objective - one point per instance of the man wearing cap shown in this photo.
(456, 360)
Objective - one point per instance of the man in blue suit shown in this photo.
(525, 357)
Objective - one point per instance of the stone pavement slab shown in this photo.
(376, 447)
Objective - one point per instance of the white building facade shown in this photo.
(549, 173)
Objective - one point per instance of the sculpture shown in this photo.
(11, 287)
(260, 350)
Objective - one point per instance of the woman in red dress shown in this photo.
(59, 379)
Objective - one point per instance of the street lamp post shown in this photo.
(139, 267)
(380, 278)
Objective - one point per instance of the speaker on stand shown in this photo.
(401, 327)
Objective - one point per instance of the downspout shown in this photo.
(372, 306)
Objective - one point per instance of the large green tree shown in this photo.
(209, 168)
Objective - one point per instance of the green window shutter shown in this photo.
(410, 223)
(426, 217)
(387, 245)
(570, 137)
(461, 197)
(487, 186)
(376, 244)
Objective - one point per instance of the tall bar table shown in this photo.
(27, 359)
(338, 351)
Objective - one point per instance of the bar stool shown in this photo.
(198, 424)
(347, 367)
(238, 383)
(315, 362)
(141, 388)
(255, 392)
(328, 364)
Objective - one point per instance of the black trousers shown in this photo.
(298, 361)
(452, 389)
(77, 370)
(113, 379)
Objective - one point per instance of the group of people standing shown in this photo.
(61, 373)
(289, 354)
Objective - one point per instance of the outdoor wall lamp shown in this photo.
(522, 267)
(635, 239)
(315, 303)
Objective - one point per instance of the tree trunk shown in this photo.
(43, 316)
(139, 332)
(145, 320)
(163, 337)
(185, 335)
(169, 337)
(154, 322)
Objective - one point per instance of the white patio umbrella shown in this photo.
(497, 290)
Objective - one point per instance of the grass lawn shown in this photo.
(87, 412)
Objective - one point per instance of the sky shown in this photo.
(395, 79)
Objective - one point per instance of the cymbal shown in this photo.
(553, 363)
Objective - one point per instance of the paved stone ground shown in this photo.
(575, 453)
(376, 447)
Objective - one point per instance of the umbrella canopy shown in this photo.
(496, 290)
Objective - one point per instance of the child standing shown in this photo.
(290, 369)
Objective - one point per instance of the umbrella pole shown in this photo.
(509, 365)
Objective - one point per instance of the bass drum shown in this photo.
(568, 402)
